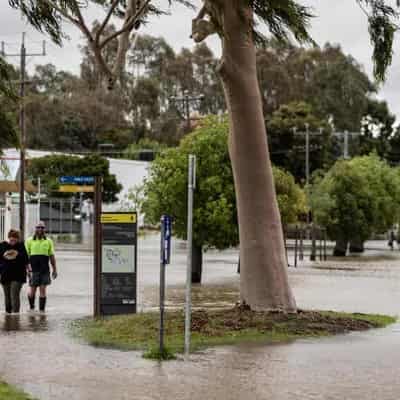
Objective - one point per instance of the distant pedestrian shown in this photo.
(14, 265)
(40, 249)
(392, 238)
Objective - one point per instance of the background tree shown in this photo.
(288, 149)
(50, 168)
(215, 214)
(8, 103)
(356, 198)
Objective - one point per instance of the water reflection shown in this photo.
(18, 322)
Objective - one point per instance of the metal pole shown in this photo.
(346, 145)
(191, 187)
(162, 288)
(22, 141)
(295, 246)
(97, 246)
(307, 167)
(187, 109)
(39, 196)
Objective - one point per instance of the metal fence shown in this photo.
(308, 239)
(61, 216)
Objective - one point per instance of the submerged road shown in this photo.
(37, 354)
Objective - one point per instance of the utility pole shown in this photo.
(307, 135)
(184, 104)
(345, 135)
(22, 83)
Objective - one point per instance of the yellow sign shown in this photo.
(76, 188)
(125, 218)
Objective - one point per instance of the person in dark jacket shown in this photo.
(14, 265)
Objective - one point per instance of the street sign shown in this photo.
(165, 255)
(76, 188)
(118, 294)
(125, 218)
(166, 232)
(76, 180)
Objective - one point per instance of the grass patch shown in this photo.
(9, 393)
(221, 327)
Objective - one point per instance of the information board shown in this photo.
(118, 263)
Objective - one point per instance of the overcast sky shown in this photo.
(341, 23)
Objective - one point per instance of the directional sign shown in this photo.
(76, 189)
(166, 230)
(76, 180)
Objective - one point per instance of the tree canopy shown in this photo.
(283, 19)
(215, 216)
(357, 198)
(50, 168)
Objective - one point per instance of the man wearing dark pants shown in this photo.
(41, 252)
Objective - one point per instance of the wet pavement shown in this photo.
(37, 355)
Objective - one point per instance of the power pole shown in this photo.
(307, 135)
(22, 83)
(184, 104)
(345, 135)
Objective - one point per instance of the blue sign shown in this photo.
(76, 180)
(166, 231)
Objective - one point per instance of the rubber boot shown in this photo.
(31, 302)
(42, 304)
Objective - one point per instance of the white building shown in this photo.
(128, 173)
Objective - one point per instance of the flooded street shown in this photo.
(37, 355)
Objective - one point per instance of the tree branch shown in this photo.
(82, 23)
(106, 19)
(62, 12)
(128, 25)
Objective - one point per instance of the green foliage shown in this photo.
(356, 198)
(144, 149)
(215, 217)
(50, 168)
(9, 393)
(8, 129)
(288, 148)
(154, 353)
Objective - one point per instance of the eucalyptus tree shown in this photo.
(264, 281)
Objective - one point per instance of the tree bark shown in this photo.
(340, 249)
(197, 263)
(264, 282)
(356, 245)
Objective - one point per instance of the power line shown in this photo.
(22, 54)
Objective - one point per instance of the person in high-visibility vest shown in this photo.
(40, 250)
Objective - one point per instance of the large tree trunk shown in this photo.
(356, 245)
(340, 249)
(197, 263)
(263, 280)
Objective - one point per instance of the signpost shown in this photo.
(116, 290)
(77, 184)
(165, 257)
(188, 308)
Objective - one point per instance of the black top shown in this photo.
(13, 261)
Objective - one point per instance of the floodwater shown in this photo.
(37, 355)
